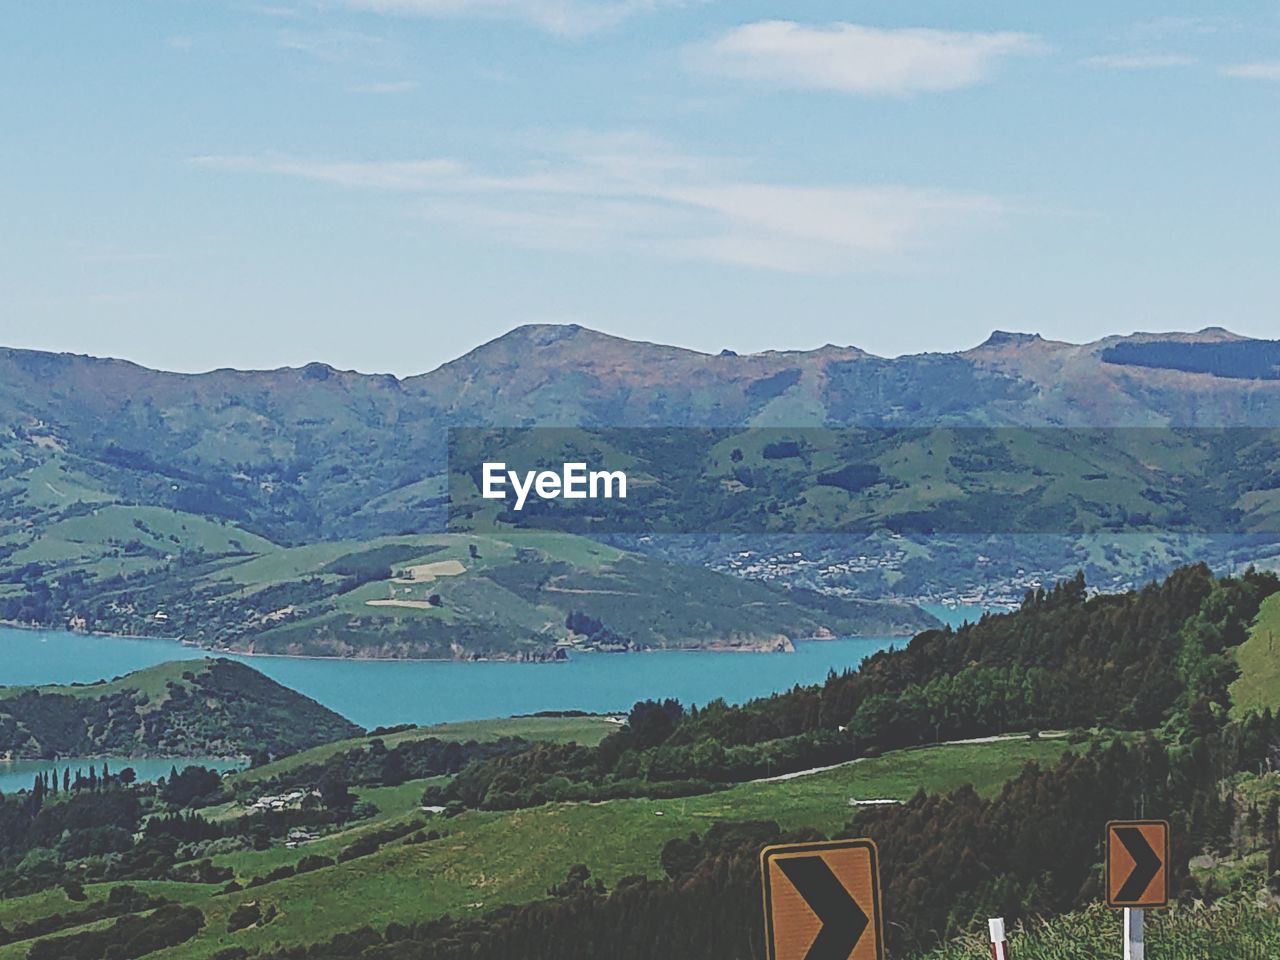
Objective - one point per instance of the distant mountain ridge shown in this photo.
(314, 452)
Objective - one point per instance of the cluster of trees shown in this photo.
(1156, 658)
(35, 841)
(120, 901)
(380, 765)
(49, 784)
(128, 938)
(97, 828)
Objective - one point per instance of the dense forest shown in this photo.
(1235, 359)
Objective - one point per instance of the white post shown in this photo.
(1134, 948)
(999, 949)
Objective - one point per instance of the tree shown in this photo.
(335, 794)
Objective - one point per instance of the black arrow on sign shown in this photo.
(1146, 864)
(843, 921)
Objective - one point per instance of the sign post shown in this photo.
(1134, 948)
(999, 947)
(822, 901)
(1137, 875)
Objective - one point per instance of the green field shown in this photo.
(152, 681)
(1259, 659)
(489, 859)
(587, 731)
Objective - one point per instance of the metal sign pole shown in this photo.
(1134, 948)
(999, 948)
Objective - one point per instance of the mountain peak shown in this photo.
(1005, 338)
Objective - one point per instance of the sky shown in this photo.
(385, 184)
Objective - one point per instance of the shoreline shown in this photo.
(215, 652)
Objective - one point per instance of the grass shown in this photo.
(490, 859)
(49, 902)
(1230, 930)
(152, 681)
(91, 537)
(587, 731)
(1259, 660)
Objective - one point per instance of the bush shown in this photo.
(245, 915)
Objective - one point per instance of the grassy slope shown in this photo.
(210, 595)
(490, 859)
(587, 731)
(1259, 660)
(152, 681)
(1228, 931)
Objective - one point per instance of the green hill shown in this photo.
(1258, 658)
(520, 596)
(201, 708)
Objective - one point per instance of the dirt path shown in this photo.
(999, 738)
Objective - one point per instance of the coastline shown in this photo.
(767, 646)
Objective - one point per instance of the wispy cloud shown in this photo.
(628, 192)
(1257, 70)
(386, 87)
(1139, 61)
(334, 46)
(854, 59)
(567, 17)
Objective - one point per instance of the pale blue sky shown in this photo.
(384, 184)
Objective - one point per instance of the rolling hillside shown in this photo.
(205, 708)
(150, 571)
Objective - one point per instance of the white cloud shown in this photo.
(633, 194)
(411, 175)
(1139, 61)
(568, 17)
(385, 87)
(849, 58)
(1258, 70)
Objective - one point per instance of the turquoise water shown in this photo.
(377, 693)
(19, 774)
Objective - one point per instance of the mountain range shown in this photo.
(115, 478)
(305, 453)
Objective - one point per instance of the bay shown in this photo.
(384, 692)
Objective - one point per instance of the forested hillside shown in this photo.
(1160, 658)
(192, 708)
